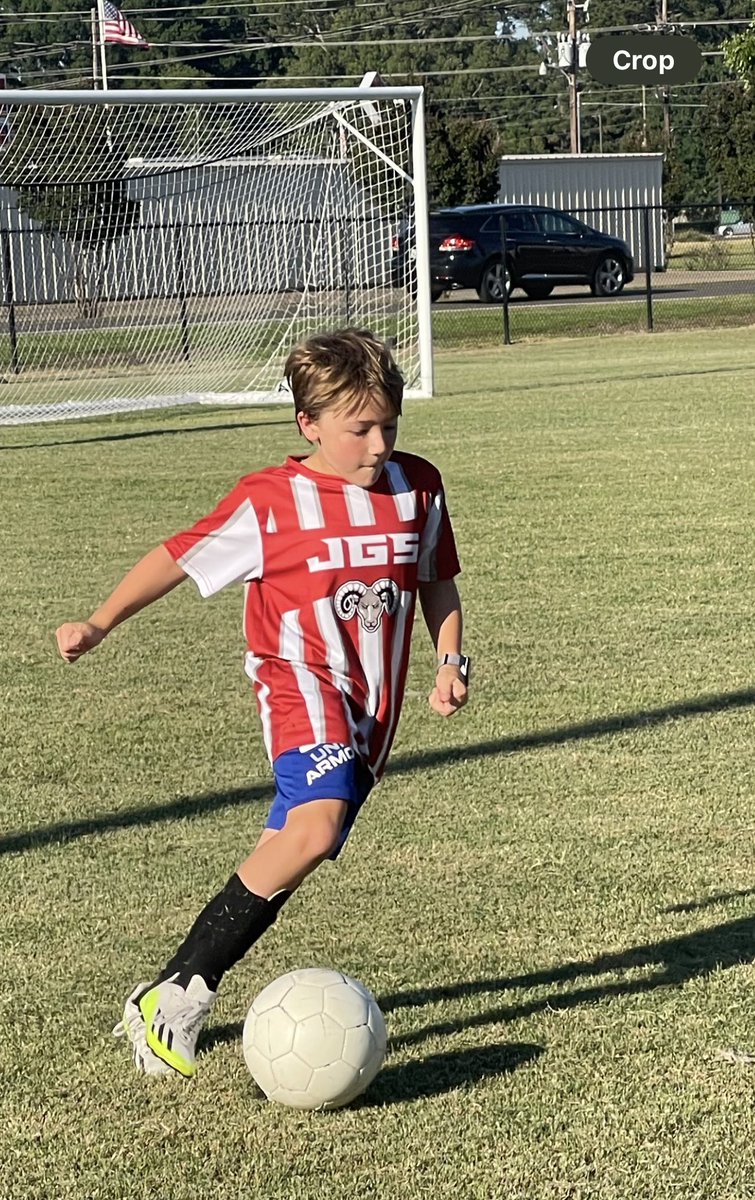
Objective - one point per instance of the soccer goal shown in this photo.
(162, 248)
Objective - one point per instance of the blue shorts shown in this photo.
(329, 771)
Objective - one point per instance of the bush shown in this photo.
(713, 256)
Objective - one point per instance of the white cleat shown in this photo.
(173, 1017)
(132, 1026)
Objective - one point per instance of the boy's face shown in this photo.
(354, 446)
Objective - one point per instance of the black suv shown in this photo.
(545, 248)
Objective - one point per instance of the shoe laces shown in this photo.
(136, 1035)
(191, 1017)
(140, 1051)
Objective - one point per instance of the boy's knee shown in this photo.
(318, 836)
(321, 843)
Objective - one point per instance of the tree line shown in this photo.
(480, 66)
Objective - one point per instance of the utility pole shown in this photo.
(574, 121)
(576, 46)
(571, 50)
(95, 46)
(661, 16)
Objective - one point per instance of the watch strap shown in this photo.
(456, 660)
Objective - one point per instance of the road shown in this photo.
(666, 285)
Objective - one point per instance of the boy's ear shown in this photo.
(307, 426)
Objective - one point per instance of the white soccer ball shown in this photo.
(314, 1038)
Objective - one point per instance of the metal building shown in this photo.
(610, 192)
(235, 227)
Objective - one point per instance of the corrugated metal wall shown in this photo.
(223, 229)
(607, 191)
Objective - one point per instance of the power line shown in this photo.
(156, 16)
(241, 5)
(592, 89)
(327, 40)
(456, 7)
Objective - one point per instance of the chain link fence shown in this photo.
(692, 270)
(695, 269)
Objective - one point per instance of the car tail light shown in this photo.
(455, 241)
(394, 244)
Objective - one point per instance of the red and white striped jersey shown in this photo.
(330, 573)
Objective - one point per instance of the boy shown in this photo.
(333, 550)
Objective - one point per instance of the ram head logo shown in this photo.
(369, 603)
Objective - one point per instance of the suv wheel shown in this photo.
(609, 277)
(491, 285)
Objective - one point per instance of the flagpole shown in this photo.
(101, 39)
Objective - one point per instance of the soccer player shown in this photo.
(333, 550)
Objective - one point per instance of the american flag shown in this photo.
(117, 29)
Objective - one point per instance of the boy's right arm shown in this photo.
(152, 577)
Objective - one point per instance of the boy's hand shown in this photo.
(76, 637)
(449, 693)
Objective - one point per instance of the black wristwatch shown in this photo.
(457, 660)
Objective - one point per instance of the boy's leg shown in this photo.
(250, 901)
(175, 1006)
(283, 858)
(319, 790)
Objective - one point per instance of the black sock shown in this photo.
(226, 928)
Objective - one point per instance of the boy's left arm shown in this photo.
(441, 608)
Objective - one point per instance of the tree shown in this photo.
(410, 43)
(632, 119)
(739, 56)
(729, 134)
(462, 161)
(207, 48)
(479, 67)
(35, 50)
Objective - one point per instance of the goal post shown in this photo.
(163, 248)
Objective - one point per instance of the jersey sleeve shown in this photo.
(224, 547)
(437, 548)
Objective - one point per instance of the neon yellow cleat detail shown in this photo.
(173, 1017)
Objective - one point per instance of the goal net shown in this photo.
(169, 248)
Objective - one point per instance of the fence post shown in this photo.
(10, 302)
(504, 282)
(648, 267)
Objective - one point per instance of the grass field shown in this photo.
(71, 365)
(552, 896)
(713, 254)
(483, 326)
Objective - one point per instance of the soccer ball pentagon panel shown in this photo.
(314, 1038)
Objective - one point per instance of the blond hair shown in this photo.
(343, 371)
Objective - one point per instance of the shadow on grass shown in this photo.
(688, 906)
(429, 1076)
(440, 1073)
(191, 806)
(171, 810)
(142, 433)
(677, 960)
(601, 727)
